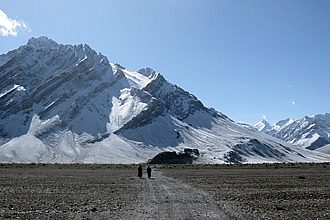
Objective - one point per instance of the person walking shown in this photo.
(140, 171)
(149, 172)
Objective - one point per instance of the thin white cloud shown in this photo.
(293, 103)
(8, 26)
(263, 116)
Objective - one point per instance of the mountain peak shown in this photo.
(309, 132)
(41, 42)
(262, 125)
(68, 104)
(263, 121)
(148, 72)
(284, 122)
(325, 115)
(119, 66)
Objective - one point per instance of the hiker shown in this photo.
(149, 172)
(140, 171)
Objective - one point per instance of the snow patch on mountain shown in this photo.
(69, 104)
(263, 125)
(308, 133)
(325, 149)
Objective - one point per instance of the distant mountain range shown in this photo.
(311, 133)
(69, 104)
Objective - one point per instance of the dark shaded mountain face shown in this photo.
(309, 132)
(69, 104)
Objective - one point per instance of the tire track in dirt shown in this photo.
(166, 198)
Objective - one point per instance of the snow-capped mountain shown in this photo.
(263, 126)
(309, 132)
(68, 104)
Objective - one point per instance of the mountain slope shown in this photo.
(309, 132)
(263, 126)
(64, 103)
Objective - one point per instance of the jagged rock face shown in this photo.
(64, 103)
(47, 79)
(309, 132)
(179, 102)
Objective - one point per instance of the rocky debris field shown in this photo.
(265, 191)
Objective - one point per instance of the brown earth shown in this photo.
(67, 192)
(300, 191)
(278, 191)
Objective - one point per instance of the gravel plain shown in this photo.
(265, 191)
(278, 191)
(67, 191)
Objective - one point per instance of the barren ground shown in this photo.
(292, 191)
(67, 192)
(175, 192)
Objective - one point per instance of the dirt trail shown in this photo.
(166, 198)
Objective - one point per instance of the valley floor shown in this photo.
(292, 191)
(268, 191)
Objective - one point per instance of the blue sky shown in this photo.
(247, 59)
